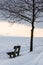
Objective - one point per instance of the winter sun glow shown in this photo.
(20, 30)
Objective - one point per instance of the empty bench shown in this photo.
(14, 53)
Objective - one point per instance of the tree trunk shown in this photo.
(32, 30)
(31, 41)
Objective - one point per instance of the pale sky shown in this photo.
(21, 30)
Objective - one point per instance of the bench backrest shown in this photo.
(17, 50)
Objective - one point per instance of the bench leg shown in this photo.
(10, 56)
(14, 55)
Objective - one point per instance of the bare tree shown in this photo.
(28, 10)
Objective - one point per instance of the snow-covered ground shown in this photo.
(25, 58)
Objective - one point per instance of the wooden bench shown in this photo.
(14, 53)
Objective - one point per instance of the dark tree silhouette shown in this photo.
(28, 10)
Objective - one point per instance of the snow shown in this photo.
(26, 57)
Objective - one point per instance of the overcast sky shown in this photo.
(19, 30)
(24, 30)
(39, 25)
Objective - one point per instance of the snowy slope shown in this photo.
(28, 59)
(25, 58)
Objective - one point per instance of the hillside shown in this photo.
(25, 58)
